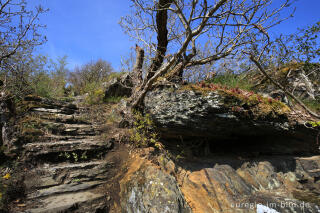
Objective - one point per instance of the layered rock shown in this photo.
(216, 115)
(279, 182)
(233, 155)
(119, 86)
(152, 190)
(63, 158)
(225, 182)
(223, 150)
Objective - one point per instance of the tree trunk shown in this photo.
(162, 31)
(137, 69)
(176, 74)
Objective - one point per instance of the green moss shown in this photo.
(243, 102)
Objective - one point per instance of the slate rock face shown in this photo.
(151, 190)
(194, 114)
(64, 156)
(119, 87)
(224, 182)
(232, 185)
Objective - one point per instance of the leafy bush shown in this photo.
(95, 97)
(231, 80)
(314, 105)
(94, 73)
(143, 132)
(42, 85)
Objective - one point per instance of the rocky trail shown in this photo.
(217, 153)
(66, 169)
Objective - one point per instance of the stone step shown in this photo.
(52, 138)
(86, 144)
(78, 129)
(80, 202)
(74, 166)
(49, 175)
(53, 109)
(64, 188)
(64, 129)
(63, 118)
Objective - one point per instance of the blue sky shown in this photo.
(87, 30)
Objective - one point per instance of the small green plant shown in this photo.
(84, 155)
(75, 156)
(114, 99)
(65, 155)
(315, 124)
(143, 132)
(231, 80)
(75, 180)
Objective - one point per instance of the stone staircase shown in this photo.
(67, 171)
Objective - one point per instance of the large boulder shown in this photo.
(151, 190)
(220, 114)
(225, 182)
(119, 86)
(302, 85)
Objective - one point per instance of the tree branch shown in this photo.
(262, 70)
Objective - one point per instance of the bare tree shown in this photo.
(304, 52)
(94, 72)
(172, 32)
(19, 34)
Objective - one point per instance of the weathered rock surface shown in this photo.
(232, 161)
(222, 183)
(302, 85)
(65, 167)
(219, 157)
(151, 190)
(119, 86)
(276, 182)
(193, 115)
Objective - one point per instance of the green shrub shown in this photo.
(232, 80)
(95, 93)
(114, 99)
(314, 105)
(143, 133)
(95, 97)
